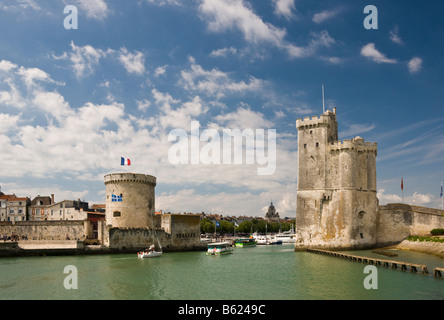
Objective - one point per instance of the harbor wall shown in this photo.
(397, 221)
(134, 239)
(47, 230)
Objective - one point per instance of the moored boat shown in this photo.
(245, 242)
(219, 248)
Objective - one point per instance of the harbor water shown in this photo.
(262, 272)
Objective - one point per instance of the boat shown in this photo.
(219, 248)
(149, 253)
(267, 239)
(245, 242)
(286, 237)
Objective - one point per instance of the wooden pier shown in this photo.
(397, 265)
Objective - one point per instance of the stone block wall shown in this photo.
(47, 230)
(397, 221)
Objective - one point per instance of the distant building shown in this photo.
(3, 205)
(68, 210)
(16, 208)
(38, 210)
(271, 214)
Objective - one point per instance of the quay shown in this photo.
(396, 265)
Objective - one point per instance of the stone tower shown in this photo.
(130, 200)
(336, 197)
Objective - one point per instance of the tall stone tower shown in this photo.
(336, 197)
(130, 200)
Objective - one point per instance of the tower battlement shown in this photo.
(356, 143)
(317, 120)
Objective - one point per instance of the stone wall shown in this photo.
(135, 239)
(46, 230)
(396, 221)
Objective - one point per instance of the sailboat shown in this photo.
(151, 251)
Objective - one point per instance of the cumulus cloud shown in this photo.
(237, 15)
(132, 62)
(215, 82)
(83, 59)
(369, 51)
(284, 8)
(94, 9)
(415, 65)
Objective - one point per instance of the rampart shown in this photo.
(47, 230)
(397, 221)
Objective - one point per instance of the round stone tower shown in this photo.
(130, 200)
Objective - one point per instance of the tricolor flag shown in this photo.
(125, 161)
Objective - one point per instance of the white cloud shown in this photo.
(325, 15)
(53, 103)
(387, 198)
(226, 14)
(394, 36)
(95, 9)
(284, 8)
(8, 122)
(6, 65)
(223, 52)
(415, 65)
(143, 105)
(20, 5)
(160, 71)
(244, 118)
(354, 129)
(132, 62)
(30, 75)
(83, 59)
(215, 82)
(369, 51)
(164, 2)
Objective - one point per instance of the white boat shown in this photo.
(287, 236)
(150, 254)
(219, 248)
(267, 239)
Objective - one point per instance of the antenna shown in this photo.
(323, 103)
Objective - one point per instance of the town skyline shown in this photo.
(73, 102)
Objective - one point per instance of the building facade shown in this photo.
(336, 197)
(13, 208)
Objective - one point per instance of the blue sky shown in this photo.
(72, 102)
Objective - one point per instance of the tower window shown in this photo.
(317, 144)
(116, 214)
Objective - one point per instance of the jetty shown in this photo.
(396, 265)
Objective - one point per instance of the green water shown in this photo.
(263, 272)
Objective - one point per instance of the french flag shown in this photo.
(125, 161)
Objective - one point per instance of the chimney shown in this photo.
(334, 110)
(52, 198)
